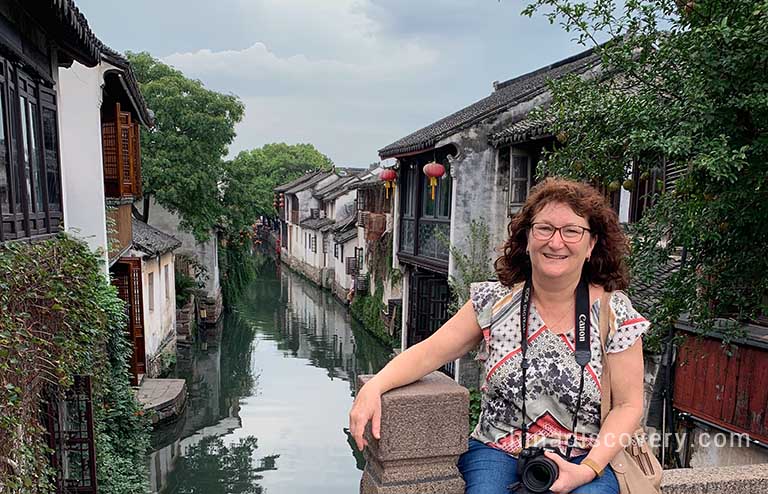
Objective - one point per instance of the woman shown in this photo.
(564, 233)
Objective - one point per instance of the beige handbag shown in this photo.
(636, 467)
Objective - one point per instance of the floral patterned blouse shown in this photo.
(552, 382)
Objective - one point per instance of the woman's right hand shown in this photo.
(367, 407)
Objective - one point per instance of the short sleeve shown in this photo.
(628, 323)
(483, 295)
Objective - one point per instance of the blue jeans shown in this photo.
(489, 471)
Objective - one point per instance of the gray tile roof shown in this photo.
(524, 130)
(130, 82)
(293, 183)
(345, 229)
(646, 295)
(345, 236)
(316, 223)
(308, 183)
(369, 182)
(151, 240)
(74, 27)
(336, 189)
(506, 94)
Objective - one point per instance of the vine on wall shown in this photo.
(60, 317)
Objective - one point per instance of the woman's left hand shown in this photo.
(571, 475)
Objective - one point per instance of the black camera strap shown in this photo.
(583, 352)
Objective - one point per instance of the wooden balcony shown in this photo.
(295, 217)
(119, 229)
(122, 156)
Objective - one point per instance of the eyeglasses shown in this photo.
(569, 233)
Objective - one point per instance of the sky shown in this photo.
(348, 76)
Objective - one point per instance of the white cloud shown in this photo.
(257, 62)
(346, 93)
(351, 76)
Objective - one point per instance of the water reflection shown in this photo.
(269, 396)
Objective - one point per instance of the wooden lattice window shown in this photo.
(121, 148)
(30, 178)
(69, 425)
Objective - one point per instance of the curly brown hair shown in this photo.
(606, 266)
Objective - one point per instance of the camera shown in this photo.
(536, 472)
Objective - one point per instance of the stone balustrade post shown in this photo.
(424, 429)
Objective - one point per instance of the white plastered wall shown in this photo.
(79, 108)
(160, 322)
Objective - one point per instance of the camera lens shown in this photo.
(539, 475)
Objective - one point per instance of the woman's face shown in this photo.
(556, 257)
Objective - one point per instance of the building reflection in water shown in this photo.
(244, 391)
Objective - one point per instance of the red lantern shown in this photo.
(434, 171)
(389, 176)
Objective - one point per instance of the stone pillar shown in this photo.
(424, 429)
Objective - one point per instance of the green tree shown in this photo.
(252, 176)
(682, 84)
(182, 155)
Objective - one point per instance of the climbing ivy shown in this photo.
(60, 317)
(367, 309)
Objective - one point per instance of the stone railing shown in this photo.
(424, 429)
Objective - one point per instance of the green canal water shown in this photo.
(269, 396)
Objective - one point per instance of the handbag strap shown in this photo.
(605, 379)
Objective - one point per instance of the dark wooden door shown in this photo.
(428, 305)
(127, 278)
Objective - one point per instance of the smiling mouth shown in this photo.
(556, 257)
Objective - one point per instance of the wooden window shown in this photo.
(336, 250)
(326, 240)
(151, 291)
(6, 173)
(314, 243)
(352, 267)
(434, 223)
(520, 177)
(408, 194)
(359, 256)
(70, 437)
(30, 174)
(424, 222)
(361, 200)
(121, 147)
(167, 282)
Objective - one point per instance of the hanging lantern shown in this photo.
(434, 171)
(389, 176)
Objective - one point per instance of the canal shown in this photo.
(268, 396)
